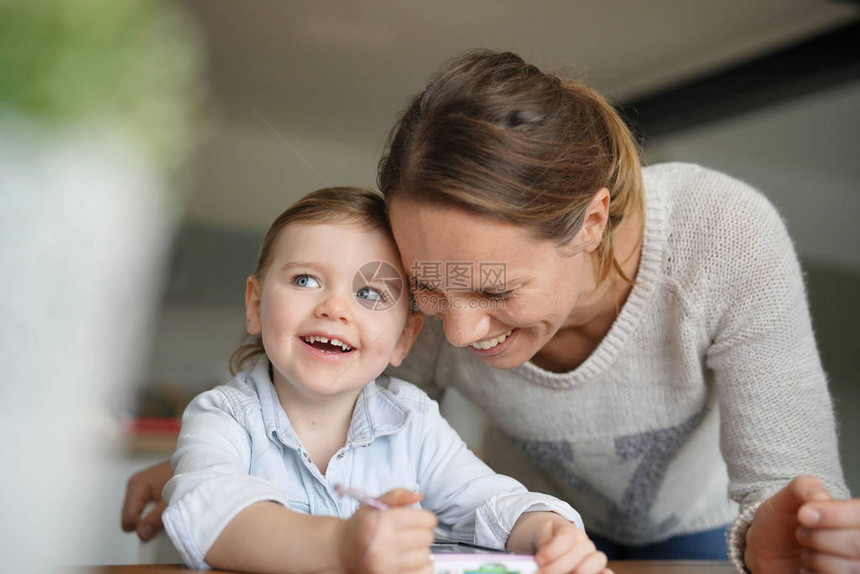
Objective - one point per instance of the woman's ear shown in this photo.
(595, 220)
(253, 323)
(410, 332)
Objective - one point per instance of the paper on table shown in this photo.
(452, 557)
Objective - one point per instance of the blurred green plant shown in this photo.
(134, 65)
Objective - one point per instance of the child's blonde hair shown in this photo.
(361, 207)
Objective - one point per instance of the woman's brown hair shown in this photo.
(361, 207)
(497, 136)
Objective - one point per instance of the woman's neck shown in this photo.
(596, 310)
(606, 299)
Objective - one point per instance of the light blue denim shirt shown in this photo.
(237, 447)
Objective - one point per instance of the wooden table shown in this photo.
(618, 566)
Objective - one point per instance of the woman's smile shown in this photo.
(496, 345)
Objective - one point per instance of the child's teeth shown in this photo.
(341, 344)
(335, 342)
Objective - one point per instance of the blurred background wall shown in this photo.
(302, 95)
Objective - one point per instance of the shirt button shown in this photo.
(340, 454)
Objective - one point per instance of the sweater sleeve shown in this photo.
(777, 420)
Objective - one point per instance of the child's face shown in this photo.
(312, 289)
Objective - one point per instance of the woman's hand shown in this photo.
(143, 487)
(389, 541)
(802, 527)
(560, 547)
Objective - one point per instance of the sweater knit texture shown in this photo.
(706, 396)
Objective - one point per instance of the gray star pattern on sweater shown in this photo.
(629, 520)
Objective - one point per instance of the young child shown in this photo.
(258, 459)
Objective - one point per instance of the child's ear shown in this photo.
(410, 332)
(253, 323)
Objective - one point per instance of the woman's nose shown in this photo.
(463, 325)
(334, 307)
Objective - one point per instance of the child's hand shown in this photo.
(562, 547)
(396, 540)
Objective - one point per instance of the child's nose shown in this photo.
(334, 307)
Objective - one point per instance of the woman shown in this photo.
(640, 338)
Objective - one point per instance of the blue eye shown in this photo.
(370, 294)
(305, 281)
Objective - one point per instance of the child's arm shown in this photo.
(267, 537)
(559, 546)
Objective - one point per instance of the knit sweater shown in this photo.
(706, 396)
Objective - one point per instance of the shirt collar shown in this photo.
(377, 411)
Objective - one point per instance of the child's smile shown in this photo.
(328, 344)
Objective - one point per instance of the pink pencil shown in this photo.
(361, 496)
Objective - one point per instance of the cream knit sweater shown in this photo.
(706, 394)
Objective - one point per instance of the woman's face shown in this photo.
(500, 292)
